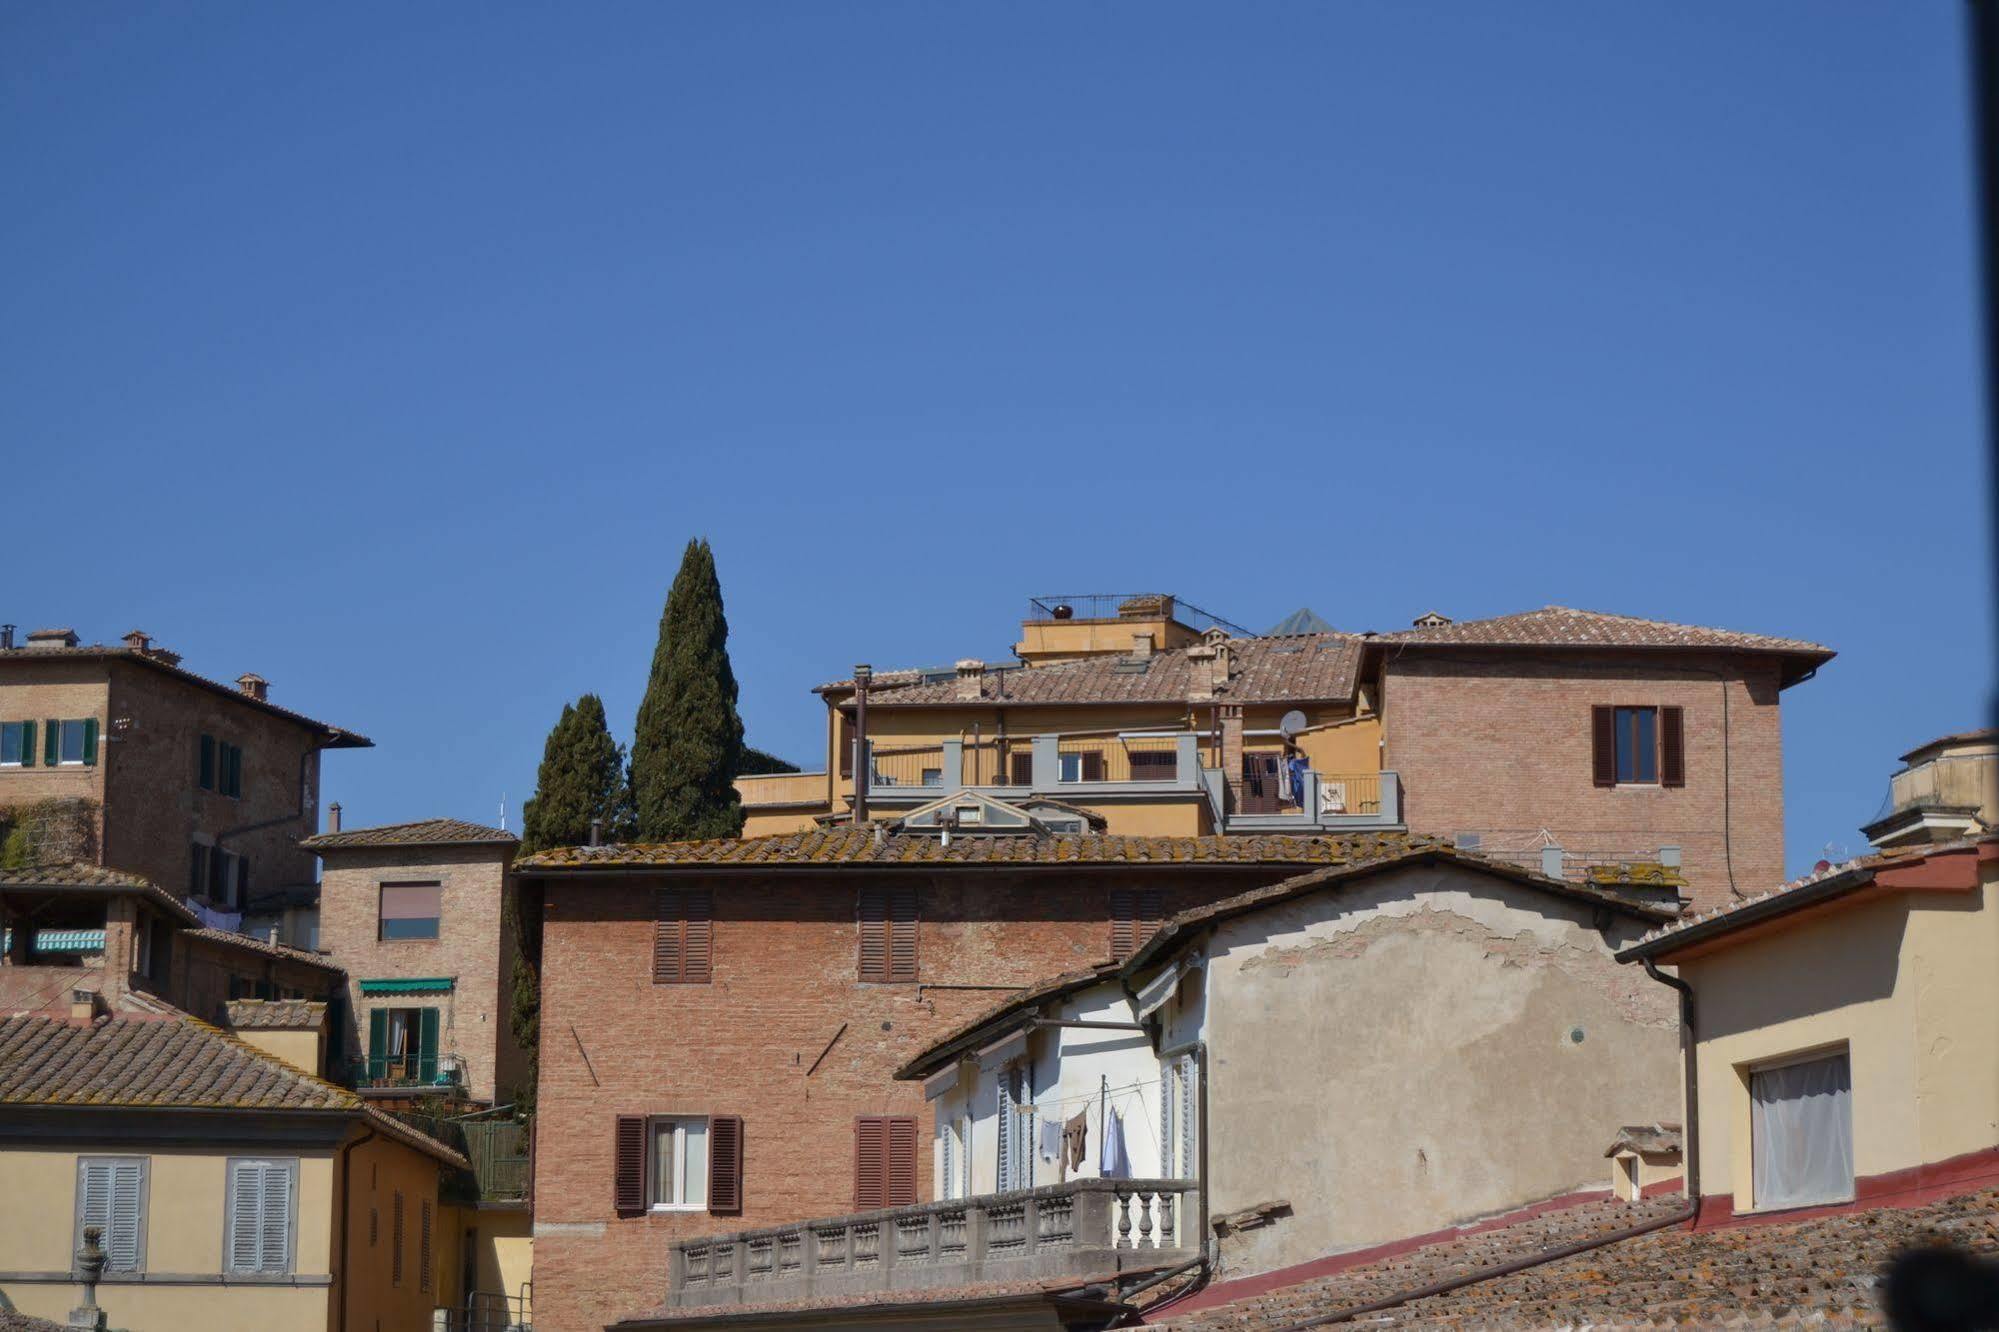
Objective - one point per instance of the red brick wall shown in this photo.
(784, 984)
(1501, 747)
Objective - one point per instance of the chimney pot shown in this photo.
(138, 640)
(971, 680)
(596, 832)
(333, 817)
(1141, 646)
(253, 685)
(7, 637)
(83, 1006)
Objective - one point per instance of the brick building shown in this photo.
(717, 1017)
(415, 914)
(132, 762)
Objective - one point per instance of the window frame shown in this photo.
(887, 895)
(1835, 1050)
(679, 1124)
(230, 1166)
(65, 726)
(24, 736)
(145, 1164)
(382, 921)
(894, 1130)
(1625, 729)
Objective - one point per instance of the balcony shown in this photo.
(1327, 802)
(1070, 766)
(1084, 1228)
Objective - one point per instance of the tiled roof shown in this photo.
(96, 880)
(424, 832)
(14, 1321)
(1653, 1138)
(264, 946)
(1298, 667)
(1813, 887)
(276, 1014)
(863, 846)
(169, 1062)
(336, 737)
(1981, 737)
(1563, 627)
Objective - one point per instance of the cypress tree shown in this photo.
(688, 744)
(760, 763)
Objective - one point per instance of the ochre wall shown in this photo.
(378, 1169)
(1400, 1055)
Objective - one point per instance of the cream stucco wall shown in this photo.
(1906, 984)
(1399, 1055)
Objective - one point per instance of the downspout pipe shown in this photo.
(346, 1234)
(1691, 1129)
(863, 674)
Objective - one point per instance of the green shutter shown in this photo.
(89, 742)
(51, 742)
(378, 1043)
(207, 764)
(27, 744)
(236, 770)
(426, 1069)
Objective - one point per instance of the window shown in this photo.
(1176, 1118)
(261, 1219)
(71, 743)
(402, 1045)
(1633, 745)
(682, 936)
(1135, 914)
(1084, 767)
(411, 910)
(1017, 1128)
(681, 1162)
(111, 1192)
(884, 1162)
(17, 744)
(1801, 1132)
(396, 1239)
(933, 776)
(888, 933)
(219, 766)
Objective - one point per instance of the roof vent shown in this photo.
(138, 640)
(254, 686)
(1430, 620)
(53, 638)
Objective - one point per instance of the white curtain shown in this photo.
(1801, 1120)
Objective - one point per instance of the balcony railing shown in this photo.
(1086, 1227)
(1325, 802)
(498, 1151)
(1137, 764)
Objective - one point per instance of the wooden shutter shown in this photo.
(873, 962)
(245, 1199)
(900, 1187)
(205, 764)
(1135, 914)
(1154, 765)
(1020, 768)
(27, 744)
(902, 933)
(1603, 745)
(870, 1163)
(52, 741)
(628, 1165)
(1672, 747)
(396, 1240)
(845, 744)
(1093, 766)
(90, 742)
(682, 937)
(274, 1218)
(426, 1064)
(378, 1043)
(725, 1164)
(423, 1246)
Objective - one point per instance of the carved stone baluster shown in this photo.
(1123, 1220)
(1146, 1199)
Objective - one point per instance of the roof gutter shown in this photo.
(1778, 904)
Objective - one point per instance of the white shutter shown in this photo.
(260, 1216)
(1188, 1161)
(1166, 1170)
(1006, 1127)
(275, 1219)
(112, 1194)
(950, 1189)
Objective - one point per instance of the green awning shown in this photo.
(409, 985)
(60, 941)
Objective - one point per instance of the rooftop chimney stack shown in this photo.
(53, 638)
(1430, 620)
(971, 680)
(333, 817)
(83, 1007)
(863, 674)
(7, 637)
(139, 641)
(1141, 647)
(254, 686)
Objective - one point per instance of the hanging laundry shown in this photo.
(1117, 1163)
(1075, 1140)
(1051, 1141)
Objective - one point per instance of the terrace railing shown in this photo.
(1086, 1227)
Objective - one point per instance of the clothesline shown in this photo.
(1127, 1089)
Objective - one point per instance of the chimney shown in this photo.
(1430, 620)
(971, 680)
(53, 638)
(863, 673)
(333, 817)
(254, 686)
(83, 1007)
(6, 637)
(1141, 647)
(596, 832)
(138, 640)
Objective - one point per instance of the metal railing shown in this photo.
(1082, 1228)
(415, 1071)
(905, 765)
(491, 1311)
(1128, 606)
(1147, 758)
(1002, 761)
(498, 1151)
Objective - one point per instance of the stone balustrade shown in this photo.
(1084, 1228)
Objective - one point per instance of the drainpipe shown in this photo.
(862, 674)
(1691, 1129)
(346, 1206)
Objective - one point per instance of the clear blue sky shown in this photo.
(394, 352)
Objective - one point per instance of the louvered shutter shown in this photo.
(901, 1182)
(275, 1219)
(245, 1199)
(1603, 745)
(52, 741)
(205, 764)
(89, 742)
(1166, 1139)
(1672, 747)
(261, 1204)
(1123, 924)
(628, 1165)
(682, 939)
(697, 911)
(396, 1240)
(1020, 769)
(870, 1163)
(112, 1195)
(1007, 1118)
(423, 1247)
(874, 934)
(725, 1164)
(1093, 766)
(378, 1043)
(902, 934)
(27, 744)
(426, 1064)
(666, 938)
(947, 1141)
(1188, 1160)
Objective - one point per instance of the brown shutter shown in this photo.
(1603, 744)
(725, 1164)
(628, 1165)
(902, 934)
(901, 1184)
(870, 1163)
(1020, 768)
(874, 934)
(1124, 914)
(845, 744)
(1150, 913)
(697, 914)
(1672, 748)
(668, 938)
(1093, 766)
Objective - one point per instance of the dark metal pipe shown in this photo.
(862, 674)
(1690, 1128)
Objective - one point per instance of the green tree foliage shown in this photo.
(688, 745)
(582, 777)
(758, 763)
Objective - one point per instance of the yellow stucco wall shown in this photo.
(1904, 983)
(303, 1050)
(184, 1238)
(380, 1169)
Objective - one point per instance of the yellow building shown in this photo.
(1154, 715)
(1844, 1033)
(236, 1192)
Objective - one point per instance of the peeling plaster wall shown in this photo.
(1399, 1056)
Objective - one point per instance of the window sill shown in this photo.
(666, 1208)
(1846, 1201)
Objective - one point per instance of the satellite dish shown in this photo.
(1291, 723)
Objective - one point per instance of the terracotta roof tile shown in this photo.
(1564, 627)
(871, 845)
(424, 832)
(247, 944)
(95, 880)
(276, 1014)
